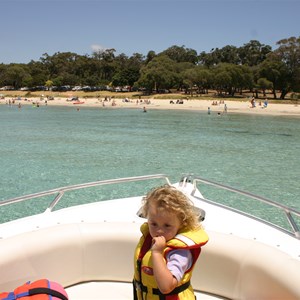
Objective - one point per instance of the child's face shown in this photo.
(162, 223)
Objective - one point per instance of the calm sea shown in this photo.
(48, 147)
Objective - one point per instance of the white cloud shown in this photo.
(97, 48)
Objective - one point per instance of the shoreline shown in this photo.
(240, 107)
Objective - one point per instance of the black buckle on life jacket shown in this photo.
(157, 292)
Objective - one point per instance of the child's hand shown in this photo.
(158, 244)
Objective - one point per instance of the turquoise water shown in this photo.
(48, 147)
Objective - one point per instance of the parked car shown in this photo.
(86, 88)
(7, 88)
(77, 88)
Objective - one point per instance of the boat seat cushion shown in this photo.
(73, 254)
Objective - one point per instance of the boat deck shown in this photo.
(113, 291)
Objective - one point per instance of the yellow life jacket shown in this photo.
(145, 286)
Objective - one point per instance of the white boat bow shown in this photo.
(88, 248)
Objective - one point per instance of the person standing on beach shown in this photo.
(169, 247)
(253, 104)
(225, 108)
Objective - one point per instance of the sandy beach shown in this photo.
(148, 104)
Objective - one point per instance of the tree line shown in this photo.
(229, 70)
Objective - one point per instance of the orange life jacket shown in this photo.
(42, 289)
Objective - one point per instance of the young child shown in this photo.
(169, 247)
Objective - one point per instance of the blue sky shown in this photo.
(30, 28)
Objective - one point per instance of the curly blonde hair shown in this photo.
(169, 198)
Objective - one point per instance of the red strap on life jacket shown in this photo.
(146, 246)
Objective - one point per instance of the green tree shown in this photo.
(221, 81)
(106, 66)
(230, 78)
(15, 75)
(3, 68)
(58, 81)
(38, 72)
(127, 70)
(150, 55)
(275, 71)
(264, 84)
(181, 54)
(253, 53)
(180, 69)
(208, 59)
(227, 54)
(289, 53)
(158, 74)
(200, 77)
(49, 84)
(66, 65)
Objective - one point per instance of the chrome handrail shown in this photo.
(284, 208)
(60, 191)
